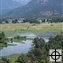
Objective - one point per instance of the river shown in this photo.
(24, 48)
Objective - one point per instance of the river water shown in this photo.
(24, 48)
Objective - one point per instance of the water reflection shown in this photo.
(19, 48)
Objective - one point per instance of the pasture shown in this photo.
(27, 27)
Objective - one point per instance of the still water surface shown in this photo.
(24, 48)
(19, 48)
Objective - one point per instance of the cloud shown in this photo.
(22, 1)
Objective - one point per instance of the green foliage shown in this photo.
(14, 21)
(2, 37)
(20, 37)
(0, 21)
(5, 60)
(56, 42)
(22, 59)
(31, 21)
(6, 21)
(56, 20)
(39, 52)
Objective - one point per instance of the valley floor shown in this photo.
(27, 27)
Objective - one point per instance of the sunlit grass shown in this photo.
(23, 27)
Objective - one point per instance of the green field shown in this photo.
(27, 27)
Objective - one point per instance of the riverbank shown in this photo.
(2, 45)
(19, 37)
(12, 58)
(17, 49)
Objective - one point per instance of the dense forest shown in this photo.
(39, 52)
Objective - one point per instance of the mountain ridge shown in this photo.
(37, 9)
(7, 5)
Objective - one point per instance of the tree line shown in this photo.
(55, 20)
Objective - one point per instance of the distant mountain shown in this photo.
(8, 5)
(37, 9)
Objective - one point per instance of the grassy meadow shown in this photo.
(27, 27)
